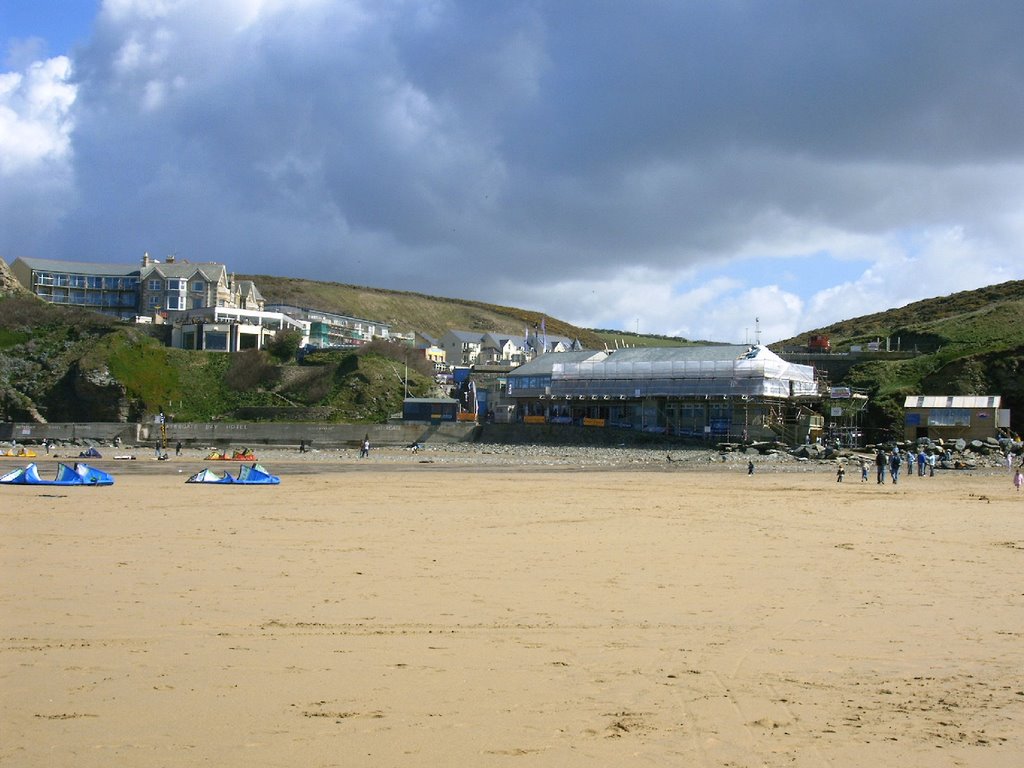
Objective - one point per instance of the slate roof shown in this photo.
(79, 267)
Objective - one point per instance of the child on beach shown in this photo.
(840, 473)
(1018, 480)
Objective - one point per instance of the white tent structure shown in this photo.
(721, 390)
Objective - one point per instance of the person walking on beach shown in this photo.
(750, 467)
(364, 451)
(922, 459)
(840, 473)
(880, 466)
(863, 471)
(1018, 480)
(894, 465)
(177, 449)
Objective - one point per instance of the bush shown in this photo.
(284, 345)
(249, 370)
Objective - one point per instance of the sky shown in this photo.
(733, 171)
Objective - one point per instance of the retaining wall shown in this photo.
(239, 435)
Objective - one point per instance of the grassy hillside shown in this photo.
(65, 364)
(62, 364)
(611, 338)
(969, 343)
(406, 311)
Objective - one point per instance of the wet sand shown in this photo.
(402, 613)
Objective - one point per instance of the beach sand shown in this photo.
(422, 614)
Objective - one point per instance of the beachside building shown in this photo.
(952, 417)
(230, 329)
(112, 289)
(721, 392)
(332, 329)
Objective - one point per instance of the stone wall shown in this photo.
(248, 435)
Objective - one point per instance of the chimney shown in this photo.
(145, 259)
(170, 258)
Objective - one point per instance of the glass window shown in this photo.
(175, 302)
(93, 281)
(175, 284)
(198, 286)
(155, 285)
(154, 302)
(949, 417)
(216, 340)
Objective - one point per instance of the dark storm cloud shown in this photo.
(416, 145)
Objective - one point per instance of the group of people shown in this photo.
(894, 462)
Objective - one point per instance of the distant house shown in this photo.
(462, 347)
(951, 417)
(499, 349)
(494, 348)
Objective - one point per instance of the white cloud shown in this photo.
(35, 115)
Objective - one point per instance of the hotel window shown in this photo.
(175, 302)
(155, 285)
(198, 286)
(175, 284)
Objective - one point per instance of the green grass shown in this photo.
(9, 338)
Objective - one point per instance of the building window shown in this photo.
(216, 341)
(949, 417)
(198, 286)
(175, 284)
(154, 302)
(155, 285)
(175, 302)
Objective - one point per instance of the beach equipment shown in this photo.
(79, 474)
(19, 452)
(255, 474)
(91, 453)
(241, 455)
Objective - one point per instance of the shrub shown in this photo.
(249, 370)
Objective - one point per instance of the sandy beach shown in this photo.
(430, 610)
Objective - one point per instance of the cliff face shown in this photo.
(9, 285)
(100, 395)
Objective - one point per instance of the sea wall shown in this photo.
(251, 435)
